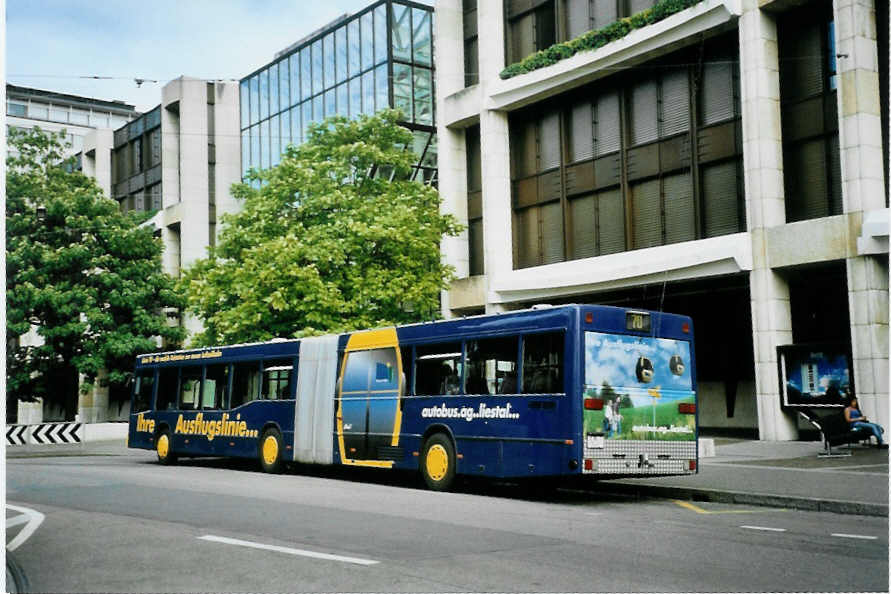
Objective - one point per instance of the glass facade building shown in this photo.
(378, 58)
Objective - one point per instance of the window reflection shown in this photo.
(264, 94)
(367, 25)
(421, 36)
(401, 32)
(273, 89)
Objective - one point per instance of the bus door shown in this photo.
(383, 404)
(353, 419)
(369, 415)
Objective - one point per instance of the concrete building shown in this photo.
(56, 112)
(358, 64)
(178, 160)
(728, 162)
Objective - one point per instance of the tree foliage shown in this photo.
(335, 237)
(80, 273)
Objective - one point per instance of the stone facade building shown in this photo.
(729, 162)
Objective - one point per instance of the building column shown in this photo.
(92, 406)
(452, 164)
(765, 207)
(860, 144)
(495, 151)
(452, 153)
(868, 305)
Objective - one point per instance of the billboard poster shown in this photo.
(640, 383)
(814, 375)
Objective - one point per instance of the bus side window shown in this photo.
(406, 370)
(277, 379)
(216, 378)
(245, 383)
(142, 390)
(492, 366)
(543, 363)
(438, 369)
(190, 388)
(167, 387)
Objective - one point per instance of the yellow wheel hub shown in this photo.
(270, 449)
(163, 446)
(437, 462)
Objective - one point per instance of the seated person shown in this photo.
(476, 384)
(451, 383)
(857, 420)
(508, 383)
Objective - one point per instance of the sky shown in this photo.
(55, 44)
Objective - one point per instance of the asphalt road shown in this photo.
(126, 524)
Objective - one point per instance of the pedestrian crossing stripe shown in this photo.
(45, 434)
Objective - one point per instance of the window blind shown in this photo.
(680, 212)
(720, 199)
(584, 238)
(646, 214)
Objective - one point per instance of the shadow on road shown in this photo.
(551, 490)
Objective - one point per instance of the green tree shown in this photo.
(81, 273)
(335, 237)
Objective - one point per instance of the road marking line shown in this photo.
(33, 520)
(861, 536)
(699, 510)
(288, 550)
(766, 528)
(16, 520)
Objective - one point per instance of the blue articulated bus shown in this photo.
(547, 392)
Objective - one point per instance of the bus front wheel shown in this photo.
(271, 450)
(438, 462)
(164, 448)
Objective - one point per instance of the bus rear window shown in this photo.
(543, 363)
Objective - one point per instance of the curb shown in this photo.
(761, 499)
(16, 580)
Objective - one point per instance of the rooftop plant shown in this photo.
(597, 38)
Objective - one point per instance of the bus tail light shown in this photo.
(692, 464)
(687, 408)
(593, 403)
(589, 318)
(589, 464)
(685, 328)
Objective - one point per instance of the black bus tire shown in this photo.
(271, 450)
(164, 448)
(438, 462)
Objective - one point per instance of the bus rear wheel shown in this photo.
(438, 462)
(271, 451)
(164, 448)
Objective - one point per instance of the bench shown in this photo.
(835, 431)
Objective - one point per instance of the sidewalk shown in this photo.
(778, 474)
